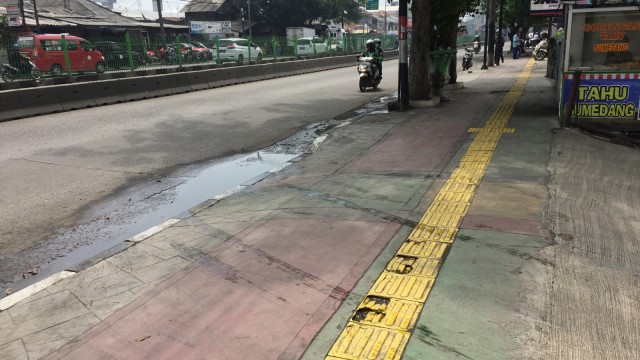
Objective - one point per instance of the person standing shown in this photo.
(499, 53)
(515, 44)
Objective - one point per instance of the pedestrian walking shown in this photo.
(515, 44)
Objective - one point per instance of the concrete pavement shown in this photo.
(543, 263)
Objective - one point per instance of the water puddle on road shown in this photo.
(141, 207)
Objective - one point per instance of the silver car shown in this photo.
(237, 49)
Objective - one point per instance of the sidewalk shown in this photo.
(276, 269)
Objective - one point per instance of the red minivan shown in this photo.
(45, 50)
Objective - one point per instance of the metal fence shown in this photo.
(66, 55)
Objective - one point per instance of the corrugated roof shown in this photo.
(80, 12)
(203, 6)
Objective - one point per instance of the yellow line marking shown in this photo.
(382, 323)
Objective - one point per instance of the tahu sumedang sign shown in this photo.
(546, 8)
(605, 96)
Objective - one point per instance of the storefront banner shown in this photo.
(546, 8)
(13, 15)
(590, 3)
(605, 96)
(209, 27)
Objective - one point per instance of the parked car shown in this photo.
(311, 46)
(116, 54)
(46, 52)
(237, 49)
(200, 47)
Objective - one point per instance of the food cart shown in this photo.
(603, 50)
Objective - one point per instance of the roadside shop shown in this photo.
(603, 49)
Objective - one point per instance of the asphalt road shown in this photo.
(57, 169)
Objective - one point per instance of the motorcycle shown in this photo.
(540, 51)
(26, 70)
(369, 76)
(476, 46)
(467, 59)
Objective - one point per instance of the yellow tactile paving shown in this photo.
(403, 287)
(432, 233)
(381, 325)
(388, 313)
(413, 265)
(425, 249)
(369, 342)
(448, 208)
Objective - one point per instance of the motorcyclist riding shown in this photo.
(477, 45)
(371, 52)
(378, 45)
(18, 61)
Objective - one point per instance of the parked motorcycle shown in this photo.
(476, 46)
(369, 75)
(467, 59)
(540, 51)
(26, 70)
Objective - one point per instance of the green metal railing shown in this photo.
(129, 52)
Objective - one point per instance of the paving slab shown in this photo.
(475, 310)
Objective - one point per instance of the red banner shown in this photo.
(402, 30)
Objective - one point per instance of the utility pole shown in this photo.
(486, 38)
(249, 10)
(385, 19)
(492, 31)
(403, 68)
(24, 22)
(35, 12)
(163, 37)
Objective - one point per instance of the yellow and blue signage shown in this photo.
(605, 96)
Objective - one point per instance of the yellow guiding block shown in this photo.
(388, 313)
(380, 327)
(369, 342)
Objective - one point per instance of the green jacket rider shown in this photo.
(372, 52)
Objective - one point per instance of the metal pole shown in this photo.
(573, 93)
(24, 22)
(35, 12)
(403, 68)
(385, 18)
(162, 35)
(249, 5)
(486, 33)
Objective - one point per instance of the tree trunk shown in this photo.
(419, 52)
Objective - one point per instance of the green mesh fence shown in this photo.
(68, 56)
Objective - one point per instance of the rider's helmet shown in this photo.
(371, 46)
(377, 42)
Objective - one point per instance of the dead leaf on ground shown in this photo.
(8, 291)
(34, 270)
(143, 338)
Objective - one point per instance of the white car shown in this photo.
(237, 49)
(306, 46)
